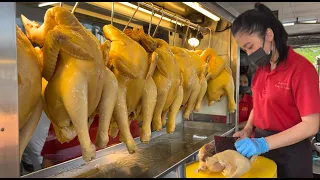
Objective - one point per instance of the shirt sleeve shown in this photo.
(305, 88)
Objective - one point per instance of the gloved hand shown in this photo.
(252, 146)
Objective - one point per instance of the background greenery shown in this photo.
(310, 53)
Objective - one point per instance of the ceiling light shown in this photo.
(149, 12)
(288, 24)
(46, 4)
(309, 21)
(198, 8)
(194, 42)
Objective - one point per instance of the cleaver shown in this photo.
(224, 143)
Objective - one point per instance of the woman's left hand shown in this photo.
(252, 146)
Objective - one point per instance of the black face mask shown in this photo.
(244, 89)
(259, 58)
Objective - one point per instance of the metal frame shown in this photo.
(9, 122)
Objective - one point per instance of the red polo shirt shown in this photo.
(285, 94)
(245, 107)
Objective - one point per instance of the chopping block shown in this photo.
(261, 168)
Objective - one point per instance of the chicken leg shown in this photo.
(106, 107)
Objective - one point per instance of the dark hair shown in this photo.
(258, 20)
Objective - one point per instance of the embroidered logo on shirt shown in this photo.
(282, 85)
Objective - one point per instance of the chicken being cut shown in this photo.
(202, 68)
(219, 77)
(78, 83)
(137, 90)
(29, 89)
(191, 83)
(167, 78)
(231, 163)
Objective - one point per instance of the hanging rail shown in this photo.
(173, 16)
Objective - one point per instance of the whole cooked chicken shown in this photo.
(202, 68)
(191, 83)
(231, 163)
(167, 78)
(219, 77)
(137, 90)
(78, 82)
(29, 89)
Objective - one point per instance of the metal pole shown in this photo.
(181, 170)
(9, 126)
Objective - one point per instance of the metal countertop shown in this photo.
(163, 154)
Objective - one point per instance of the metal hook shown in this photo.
(198, 30)
(74, 7)
(61, 4)
(112, 13)
(132, 17)
(154, 33)
(209, 38)
(175, 29)
(151, 19)
(186, 33)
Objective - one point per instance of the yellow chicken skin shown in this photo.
(219, 77)
(29, 89)
(167, 78)
(78, 82)
(137, 90)
(191, 83)
(231, 163)
(202, 68)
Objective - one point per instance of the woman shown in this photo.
(245, 104)
(286, 101)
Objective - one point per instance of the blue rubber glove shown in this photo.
(252, 146)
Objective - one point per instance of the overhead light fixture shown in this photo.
(309, 21)
(149, 12)
(198, 8)
(46, 4)
(288, 24)
(194, 42)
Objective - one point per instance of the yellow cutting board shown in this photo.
(261, 168)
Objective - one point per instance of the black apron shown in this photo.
(294, 161)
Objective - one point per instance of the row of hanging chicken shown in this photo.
(130, 76)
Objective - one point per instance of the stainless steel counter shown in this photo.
(164, 153)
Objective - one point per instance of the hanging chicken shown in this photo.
(137, 90)
(29, 89)
(202, 68)
(167, 78)
(191, 83)
(219, 77)
(78, 82)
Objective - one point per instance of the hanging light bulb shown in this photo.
(194, 42)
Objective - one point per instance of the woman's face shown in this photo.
(252, 42)
(244, 80)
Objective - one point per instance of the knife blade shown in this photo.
(224, 143)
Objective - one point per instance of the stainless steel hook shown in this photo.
(154, 33)
(74, 7)
(186, 33)
(151, 19)
(209, 45)
(175, 29)
(112, 13)
(132, 17)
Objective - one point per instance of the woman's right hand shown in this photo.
(244, 133)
